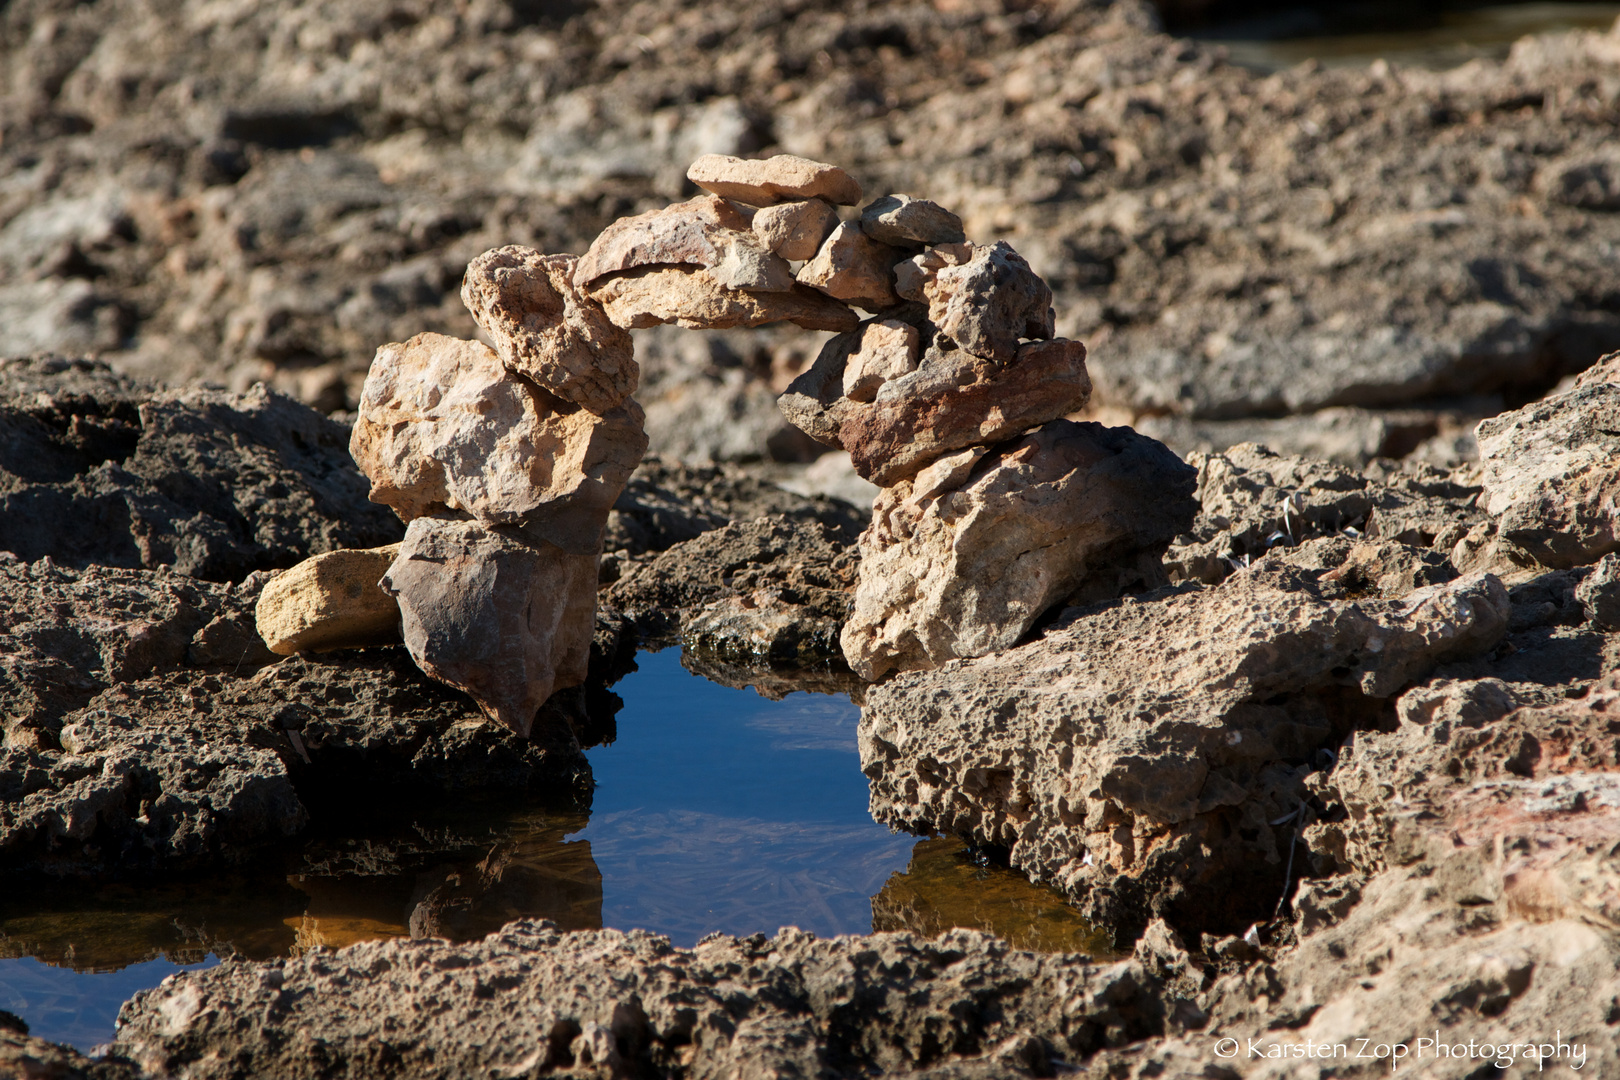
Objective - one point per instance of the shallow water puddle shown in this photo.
(715, 810)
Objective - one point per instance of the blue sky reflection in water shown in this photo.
(77, 1007)
(716, 809)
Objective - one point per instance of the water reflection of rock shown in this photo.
(946, 887)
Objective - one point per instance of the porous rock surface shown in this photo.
(961, 559)
(1133, 794)
(98, 469)
(606, 1003)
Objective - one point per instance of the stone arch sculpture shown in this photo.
(950, 395)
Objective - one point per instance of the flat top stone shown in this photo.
(773, 180)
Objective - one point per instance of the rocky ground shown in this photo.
(1342, 768)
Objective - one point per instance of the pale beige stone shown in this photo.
(851, 266)
(330, 601)
(888, 349)
(443, 425)
(707, 232)
(497, 612)
(696, 299)
(796, 230)
(952, 571)
(545, 329)
(772, 180)
(901, 220)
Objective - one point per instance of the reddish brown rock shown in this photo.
(952, 400)
(983, 298)
(443, 425)
(496, 612)
(706, 231)
(698, 300)
(851, 266)
(773, 180)
(796, 230)
(545, 329)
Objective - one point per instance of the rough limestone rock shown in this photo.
(699, 299)
(706, 232)
(774, 588)
(768, 182)
(952, 400)
(796, 230)
(853, 267)
(99, 469)
(888, 349)
(903, 221)
(985, 298)
(330, 601)
(546, 330)
(531, 998)
(1600, 593)
(1551, 475)
(505, 616)
(1143, 796)
(1253, 500)
(443, 425)
(962, 559)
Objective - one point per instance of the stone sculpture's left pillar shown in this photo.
(504, 464)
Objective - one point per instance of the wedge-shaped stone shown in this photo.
(952, 400)
(903, 221)
(796, 230)
(443, 425)
(773, 180)
(983, 298)
(545, 329)
(888, 349)
(698, 300)
(962, 563)
(853, 267)
(497, 612)
(331, 601)
(1158, 741)
(1551, 474)
(706, 231)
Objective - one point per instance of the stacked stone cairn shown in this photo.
(505, 461)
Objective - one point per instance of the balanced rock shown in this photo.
(1551, 475)
(698, 299)
(443, 425)
(953, 399)
(706, 232)
(330, 601)
(902, 221)
(983, 298)
(962, 560)
(773, 180)
(796, 230)
(853, 267)
(545, 329)
(497, 612)
(888, 349)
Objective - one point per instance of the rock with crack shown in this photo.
(330, 601)
(547, 330)
(961, 559)
(1142, 796)
(984, 298)
(854, 268)
(707, 232)
(773, 180)
(531, 998)
(950, 401)
(443, 425)
(1551, 475)
(698, 299)
(496, 611)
